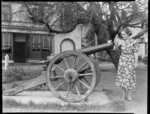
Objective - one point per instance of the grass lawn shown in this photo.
(113, 106)
(107, 84)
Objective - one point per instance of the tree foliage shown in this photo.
(107, 18)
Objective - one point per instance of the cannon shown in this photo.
(70, 75)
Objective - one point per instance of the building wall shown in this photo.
(75, 36)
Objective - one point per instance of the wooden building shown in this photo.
(24, 41)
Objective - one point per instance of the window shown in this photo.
(33, 43)
(46, 42)
(6, 41)
(6, 12)
(36, 42)
(46, 46)
(146, 48)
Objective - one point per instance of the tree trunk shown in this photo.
(114, 55)
(103, 36)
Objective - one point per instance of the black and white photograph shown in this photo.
(75, 56)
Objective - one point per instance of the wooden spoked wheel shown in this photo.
(68, 72)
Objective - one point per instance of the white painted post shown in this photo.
(6, 62)
(96, 43)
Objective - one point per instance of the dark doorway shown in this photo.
(19, 52)
(20, 48)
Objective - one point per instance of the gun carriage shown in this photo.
(70, 75)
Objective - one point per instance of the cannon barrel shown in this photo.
(89, 50)
(97, 48)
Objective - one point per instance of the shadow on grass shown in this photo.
(116, 104)
(113, 106)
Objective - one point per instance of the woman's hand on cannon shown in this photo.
(109, 41)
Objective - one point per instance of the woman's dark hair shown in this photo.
(128, 31)
(119, 35)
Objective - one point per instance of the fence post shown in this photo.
(96, 54)
(6, 62)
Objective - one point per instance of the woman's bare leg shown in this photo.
(123, 93)
(129, 94)
(129, 98)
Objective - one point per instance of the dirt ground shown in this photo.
(107, 84)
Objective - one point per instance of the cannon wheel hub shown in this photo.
(70, 75)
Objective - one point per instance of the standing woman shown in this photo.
(126, 77)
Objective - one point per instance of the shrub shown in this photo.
(12, 74)
(103, 56)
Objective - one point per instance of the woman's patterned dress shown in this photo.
(126, 77)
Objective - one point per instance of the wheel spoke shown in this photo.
(86, 69)
(54, 72)
(56, 77)
(83, 83)
(82, 67)
(66, 62)
(86, 80)
(60, 85)
(74, 61)
(68, 89)
(87, 74)
(82, 89)
(57, 66)
(78, 91)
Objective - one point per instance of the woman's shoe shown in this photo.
(122, 97)
(128, 96)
